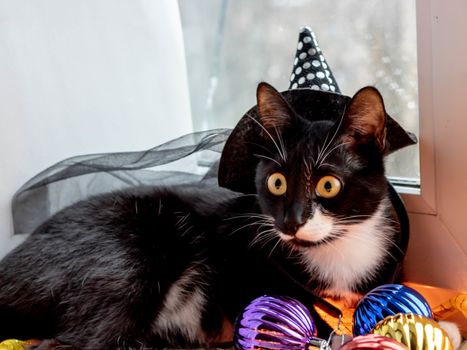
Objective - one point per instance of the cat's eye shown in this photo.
(328, 186)
(277, 184)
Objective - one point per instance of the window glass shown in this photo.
(231, 45)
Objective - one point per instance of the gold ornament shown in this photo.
(13, 344)
(414, 331)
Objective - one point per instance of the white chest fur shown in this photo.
(353, 257)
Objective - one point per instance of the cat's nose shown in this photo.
(291, 225)
(293, 217)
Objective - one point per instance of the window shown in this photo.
(232, 45)
(242, 42)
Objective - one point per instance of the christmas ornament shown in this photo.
(373, 341)
(387, 300)
(15, 344)
(415, 331)
(274, 323)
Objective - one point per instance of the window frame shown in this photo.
(424, 202)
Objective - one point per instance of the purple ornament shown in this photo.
(387, 300)
(274, 323)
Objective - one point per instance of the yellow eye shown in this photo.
(328, 187)
(277, 184)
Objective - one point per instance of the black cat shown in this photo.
(157, 267)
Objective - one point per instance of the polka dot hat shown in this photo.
(310, 69)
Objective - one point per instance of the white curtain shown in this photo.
(80, 77)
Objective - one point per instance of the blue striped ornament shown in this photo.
(387, 300)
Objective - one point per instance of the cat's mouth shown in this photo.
(302, 243)
(296, 242)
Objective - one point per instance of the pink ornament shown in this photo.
(372, 341)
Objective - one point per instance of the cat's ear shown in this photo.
(365, 119)
(274, 112)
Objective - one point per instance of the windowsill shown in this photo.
(406, 186)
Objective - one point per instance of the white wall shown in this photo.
(80, 77)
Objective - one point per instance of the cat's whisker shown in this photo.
(332, 150)
(394, 244)
(261, 146)
(392, 221)
(355, 216)
(263, 238)
(351, 221)
(281, 143)
(187, 231)
(357, 222)
(291, 250)
(245, 226)
(261, 222)
(388, 252)
(250, 216)
(270, 136)
(328, 165)
(266, 157)
(182, 221)
(246, 215)
(279, 241)
(331, 140)
(271, 238)
(321, 150)
(349, 224)
(265, 234)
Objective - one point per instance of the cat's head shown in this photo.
(315, 177)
